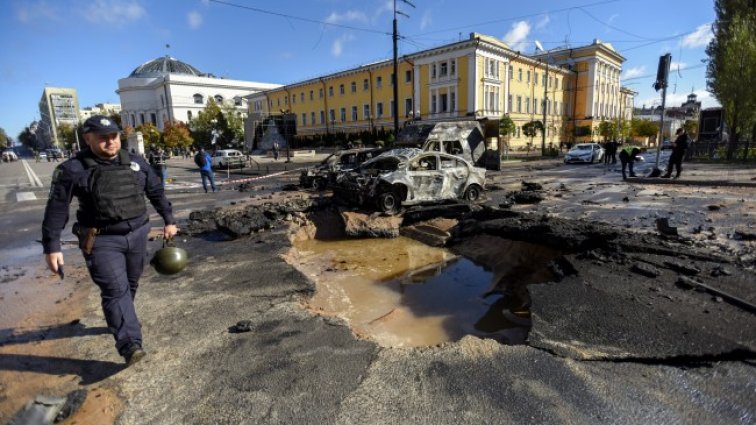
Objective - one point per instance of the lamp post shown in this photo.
(545, 97)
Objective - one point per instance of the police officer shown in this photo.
(679, 146)
(627, 157)
(112, 223)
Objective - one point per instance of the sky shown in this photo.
(90, 44)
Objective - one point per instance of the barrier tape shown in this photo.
(251, 179)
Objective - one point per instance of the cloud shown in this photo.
(674, 66)
(612, 18)
(348, 16)
(516, 36)
(337, 48)
(38, 10)
(426, 20)
(699, 38)
(677, 99)
(195, 19)
(634, 72)
(542, 22)
(115, 12)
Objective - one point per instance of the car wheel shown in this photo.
(388, 202)
(319, 184)
(472, 193)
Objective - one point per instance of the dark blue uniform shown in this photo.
(120, 249)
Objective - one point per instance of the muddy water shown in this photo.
(400, 292)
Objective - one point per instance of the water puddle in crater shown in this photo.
(400, 292)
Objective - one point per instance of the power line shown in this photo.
(611, 26)
(299, 18)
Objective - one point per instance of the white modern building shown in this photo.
(57, 106)
(166, 89)
(99, 109)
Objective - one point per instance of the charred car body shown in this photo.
(410, 176)
(325, 173)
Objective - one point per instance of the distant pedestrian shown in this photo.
(612, 154)
(627, 157)
(679, 146)
(158, 162)
(275, 150)
(204, 162)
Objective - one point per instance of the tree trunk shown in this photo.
(734, 136)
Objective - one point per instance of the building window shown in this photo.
(365, 84)
(188, 116)
(312, 118)
(407, 107)
(330, 91)
(301, 97)
(408, 76)
(341, 89)
(141, 118)
(535, 78)
(322, 117)
(379, 109)
(528, 76)
(433, 70)
(519, 74)
(294, 99)
(444, 102)
(379, 81)
(535, 105)
(354, 113)
(544, 80)
(237, 101)
(453, 67)
(444, 69)
(509, 103)
(366, 112)
(342, 114)
(556, 83)
(332, 115)
(199, 99)
(519, 103)
(433, 103)
(218, 99)
(304, 119)
(354, 87)
(452, 101)
(311, 93)
(527, 105)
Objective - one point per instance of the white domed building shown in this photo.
(166, 89)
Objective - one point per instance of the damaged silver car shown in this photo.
(410, 177)
(324, 174)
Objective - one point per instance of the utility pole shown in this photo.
(545, 108)
(661, 83)
(395, 80)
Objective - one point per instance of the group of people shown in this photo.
(629, 153)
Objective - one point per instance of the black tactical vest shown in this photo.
(115, 190)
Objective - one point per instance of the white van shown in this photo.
(228, 158)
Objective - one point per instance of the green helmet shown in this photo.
(169, 260)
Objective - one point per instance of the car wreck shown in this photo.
(410, 176)
(324, 174)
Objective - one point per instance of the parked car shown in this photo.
(325, 173)
(42, 155)
(54, 154)
(228, 158)
(584, 152)
(410, 176)
(9, 155)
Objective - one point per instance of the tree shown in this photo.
(67, 135)
(643, 128)
(507, 127)
(607, 129)
(150, 135)
(731, 69)
(4, 139)
(208, 120)
(176, 135)
(691, 127)
(624, 130)
(530, 128)
(234, 125)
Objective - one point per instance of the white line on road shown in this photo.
(33, 179)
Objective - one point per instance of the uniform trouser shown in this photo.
(115, 265)
(207, 175)
(626, 161)
(675, 160)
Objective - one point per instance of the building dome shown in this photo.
(165, 65)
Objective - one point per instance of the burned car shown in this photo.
(325, 173)
(410, 176)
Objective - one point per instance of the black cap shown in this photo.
(100, 124)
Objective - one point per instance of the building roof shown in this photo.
(165, 65)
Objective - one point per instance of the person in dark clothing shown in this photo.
(679, 146)
(613, 145)
(112, 224)
(607, 149)
(627, 157)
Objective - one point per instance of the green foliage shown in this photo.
(530, 128)
(731, 70)
(4, 139)
(623, 131)
(691, 127)
(607, 129)
(67, 135)
(507, 127)
(643, 128)
(150, 135)
(206, 121)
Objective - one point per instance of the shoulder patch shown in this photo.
(134, 166)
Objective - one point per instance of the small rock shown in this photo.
(713, 207)
(662, 225)
(687, 283)
(241, 326)
(718, 299)
(625, 199)
(645, 270)
(682, 268)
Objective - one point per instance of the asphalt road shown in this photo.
(297, 367)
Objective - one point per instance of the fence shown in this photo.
(716, 150)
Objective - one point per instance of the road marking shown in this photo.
(33, 179)
(25, 196)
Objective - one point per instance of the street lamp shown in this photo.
(545, 97)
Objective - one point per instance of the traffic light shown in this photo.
(663, 72)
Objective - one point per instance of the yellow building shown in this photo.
(480, 77)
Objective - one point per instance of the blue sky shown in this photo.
(90, 44)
